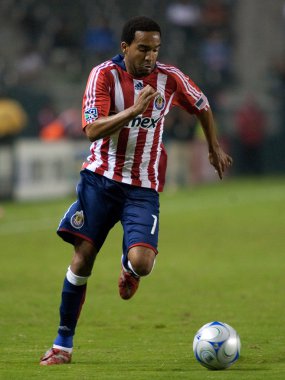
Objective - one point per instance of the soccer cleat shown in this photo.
(55, 356)
(128, 284)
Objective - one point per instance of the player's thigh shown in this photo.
(140, 219)
(94, 213)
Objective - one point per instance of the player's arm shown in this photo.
(107, 125)
(217, 157)
(191, 99)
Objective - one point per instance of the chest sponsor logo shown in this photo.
(144, 122)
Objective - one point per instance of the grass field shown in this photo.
(221, 258)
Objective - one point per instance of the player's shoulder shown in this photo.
(179, 79)
(103, 68)
(170, 70)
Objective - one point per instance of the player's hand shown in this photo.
(145, 96)
(220, 160)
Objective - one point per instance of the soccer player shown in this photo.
(124, 106)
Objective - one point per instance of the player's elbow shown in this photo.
(92, 132)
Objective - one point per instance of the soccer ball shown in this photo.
(216, 345)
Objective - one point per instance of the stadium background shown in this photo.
(221, 245)
(234, 50)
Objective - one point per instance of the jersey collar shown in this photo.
(119, 60)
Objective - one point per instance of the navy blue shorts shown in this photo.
(103, 202)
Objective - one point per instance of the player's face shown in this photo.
(141, 54)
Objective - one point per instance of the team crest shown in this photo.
(91, 114)
(159, 103)
(77, 220)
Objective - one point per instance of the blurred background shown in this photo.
(233, 49)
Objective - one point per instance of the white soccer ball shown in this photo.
(216, 345)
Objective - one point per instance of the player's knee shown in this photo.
(142, 260)
(141, 269)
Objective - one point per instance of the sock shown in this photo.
(127, 266)
(72, 299)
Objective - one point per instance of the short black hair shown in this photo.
(135, 24)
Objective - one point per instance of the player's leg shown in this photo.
(85, 225)
(72, 300)
(74, 290)
(140, 221)
(83, 258)
(141, 260)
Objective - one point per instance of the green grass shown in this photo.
(221, 258)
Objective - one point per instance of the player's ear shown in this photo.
(124, 47)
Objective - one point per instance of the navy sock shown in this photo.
(72, 299)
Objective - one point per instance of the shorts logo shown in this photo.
(77, 220)
(159, 103)
(91, 114)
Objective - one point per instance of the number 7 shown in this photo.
(154, 224)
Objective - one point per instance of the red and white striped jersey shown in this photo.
(135, 154)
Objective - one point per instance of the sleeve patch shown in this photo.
(91, 114)
(202, 103)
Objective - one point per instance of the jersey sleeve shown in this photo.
(188, 95)
(96, 100)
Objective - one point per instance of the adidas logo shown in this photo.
(64, 328)
(139, 86)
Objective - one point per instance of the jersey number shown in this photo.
(154, 224)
